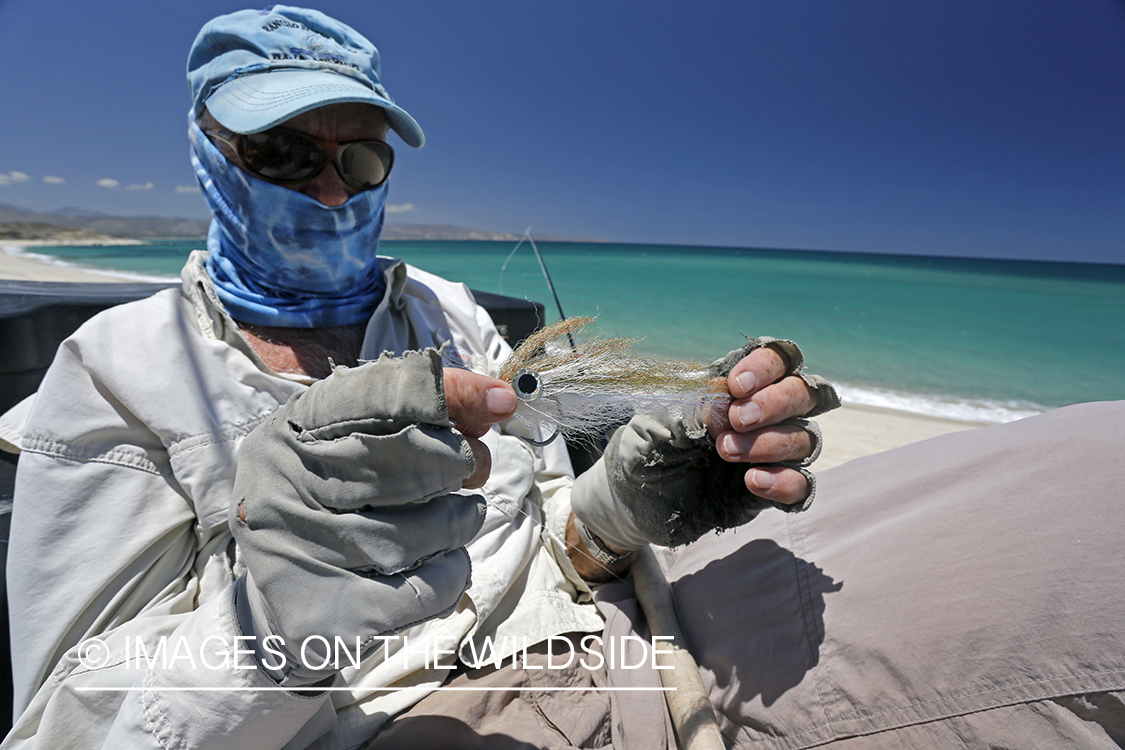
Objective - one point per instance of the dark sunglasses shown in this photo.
(283, 155)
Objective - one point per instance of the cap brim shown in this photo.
(257, 102)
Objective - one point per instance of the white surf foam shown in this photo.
(946, 407)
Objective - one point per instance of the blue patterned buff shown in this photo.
(280, 258)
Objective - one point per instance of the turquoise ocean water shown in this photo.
(972, 339)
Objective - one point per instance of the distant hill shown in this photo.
(18, 223)
(73, 211)
(23, 230)
(450, 232)
(441, 232)
(138, 227)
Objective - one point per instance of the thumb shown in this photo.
(475, 402)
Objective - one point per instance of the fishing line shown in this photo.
(542, 266)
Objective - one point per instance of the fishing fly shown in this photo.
(573, 382)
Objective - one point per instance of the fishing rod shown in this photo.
(546, 275)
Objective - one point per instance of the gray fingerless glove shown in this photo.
(826, 397)
(344, 516)
(661, 480)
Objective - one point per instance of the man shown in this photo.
(206, 510)
(214, 495)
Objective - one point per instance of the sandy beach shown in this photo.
(858, 430)
(849, 432)
(14, 265)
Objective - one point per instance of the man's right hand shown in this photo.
(345, 513)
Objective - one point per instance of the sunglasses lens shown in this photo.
(282, 155)
(289, 156)
(365, 164)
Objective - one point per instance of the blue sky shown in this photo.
(956, 127)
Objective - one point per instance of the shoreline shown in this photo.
(18, 262)
(852, 431)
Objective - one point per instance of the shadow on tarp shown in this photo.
(763, 639)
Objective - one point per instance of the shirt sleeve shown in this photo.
(122, 599)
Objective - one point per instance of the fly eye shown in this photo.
(527, 385)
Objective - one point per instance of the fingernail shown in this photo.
(762, 480)
(500, 401)
(734, 445)
(747, 381)
(748, 414)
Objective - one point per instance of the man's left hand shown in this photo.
(750, 430)
(666, 480)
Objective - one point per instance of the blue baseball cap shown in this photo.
(254, 69)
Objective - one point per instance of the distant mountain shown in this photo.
(138, 227)
(22, 231)
(451, 232)
(441, 232)
(165, 227)
(9, 213)
(72, 211)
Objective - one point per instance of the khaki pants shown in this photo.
(965, 591)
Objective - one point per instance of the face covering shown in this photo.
(280, 258)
